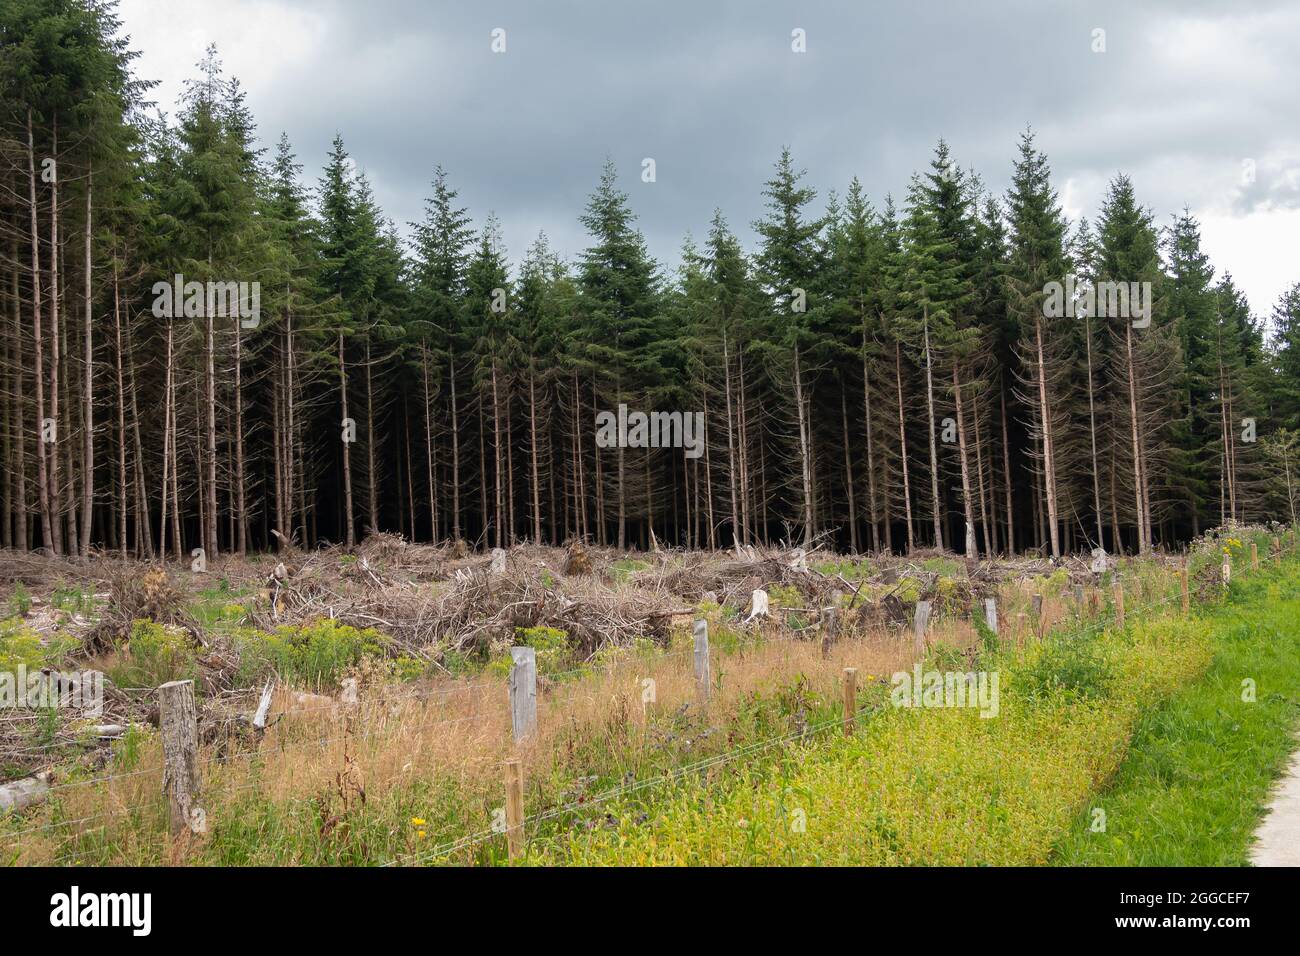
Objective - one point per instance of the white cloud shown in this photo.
(1261, 250)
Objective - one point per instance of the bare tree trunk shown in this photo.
(372, 488)
(934, 451)
(279, 458)
(428, 443)
(351, 533)
(121, 414)
(988, 503)
(143, 530)
(56, 522)
(848, 471)
(167, 439)
(805, 454)
(87, 400)
(510, 472)
(21, 531)
(972, 549)
(496, 458)
(289, 523)
(210, 517)
(410, 478)
(902, 440)
(1006, 470)
(42, 468)
(455, 449)
(9, 400)
(871, 455)
(1049, 461)
(1143, 543)
(737, 529)
(748, 506)
(241, 501)
(1092, 436)
(482, 467)
(532, 428)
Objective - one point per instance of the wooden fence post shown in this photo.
(1277, 552)
(523, 692)
(1254, 556)
(180, 735)
(1037, 604)
(850, 699)
(921, 622)
(515, 808)
(702, 661)
(1227, 570)
(991, 614)
(1186, 589)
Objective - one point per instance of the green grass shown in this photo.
(623, 569)
(1201, 767)
(912, 787)
(1149, 716)
(218, 608)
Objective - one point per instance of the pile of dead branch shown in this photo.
(477, 607)
(693, 576)
(32, 741)
(140, 592)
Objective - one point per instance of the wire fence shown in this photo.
(350, 735)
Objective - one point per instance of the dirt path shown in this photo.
(1277, 841)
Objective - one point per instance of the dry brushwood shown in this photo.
(576, 560)
(134, 596)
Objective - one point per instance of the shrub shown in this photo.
(1054, 584)
(550, 644)
(784, 595)
(18, 645)
(1074, 668)
(21, 602)
(154, 654)
(309, 655)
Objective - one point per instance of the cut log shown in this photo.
(29, 791)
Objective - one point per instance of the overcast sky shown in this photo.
(1187, 98)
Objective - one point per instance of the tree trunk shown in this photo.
(934, 451)
(902, 440)
(532, 443)
(350, 532)
(805, 455)
(1049, 462)
(121, 415)
(42, 469)
(87, 400)
(1143, 543)
(372, 487)
(848, 471)
(241, 501)
(455, 449)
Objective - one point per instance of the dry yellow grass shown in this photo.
(456, 734)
